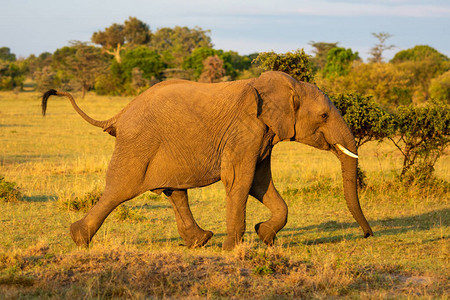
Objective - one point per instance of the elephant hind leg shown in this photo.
(123, 182)
(265, 192)
(191, 233)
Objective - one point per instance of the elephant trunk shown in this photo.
(349, 165)
(349, 177)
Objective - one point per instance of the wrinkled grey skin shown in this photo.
(180, 135)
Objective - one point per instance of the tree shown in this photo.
(147, 60)
(112, 40)
(295, 64)
(140, 66)
(213, 69)
(232, 61)
(46, 79)
(419, 53)
(376, 51)
(339, 61)
(6, 55)
(136, 32)
(320, 52)
(423, 63)
(195, 60)
(80, 64)
(175, 44)
(440, 88)
(389, 85)
(132, 33)
(11, 75)
(37, 64)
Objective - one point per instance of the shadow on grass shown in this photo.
(38, 198)
(389, 226)
(15, 125)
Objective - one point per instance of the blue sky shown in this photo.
(36, 26)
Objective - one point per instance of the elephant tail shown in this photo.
(106, 125)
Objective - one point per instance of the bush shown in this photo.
(8, 191)
(422, 135)
(365, 118)
(295, 64)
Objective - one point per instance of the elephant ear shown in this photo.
(277, 103)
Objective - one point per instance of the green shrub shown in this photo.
(295, 64)
(422, 135)
(366, 119)
(8, 191)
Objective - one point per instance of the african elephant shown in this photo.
(179, 135)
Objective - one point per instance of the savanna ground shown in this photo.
(137, 253)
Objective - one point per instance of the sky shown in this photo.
(246, 26)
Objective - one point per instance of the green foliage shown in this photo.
(419, 53)
(195, 60)
(320, 54)
(422, 135)
(6, 55)
(136, 32)
(9, 191)
(365, 118)
(174, 44)
(79, 65)
(440, 88)
(46, 79)
(12, 74)
(148, 61)
(423, 63)
(295, 64)
(232, 61)
(339, 61)
(132, 33)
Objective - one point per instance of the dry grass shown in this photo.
(137, 253)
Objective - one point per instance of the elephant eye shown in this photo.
(324, 116)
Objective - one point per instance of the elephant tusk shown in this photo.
(346, 151)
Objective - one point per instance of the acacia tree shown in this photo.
(320, 52)
(376, 51)
(422, 136)
(80, 64)
(113, 39)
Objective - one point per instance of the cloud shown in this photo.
(382, 8)
(388, 8)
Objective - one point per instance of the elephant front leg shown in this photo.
(237, 181)
(264, 190)
(188, 229)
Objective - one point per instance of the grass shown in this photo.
(137, 253)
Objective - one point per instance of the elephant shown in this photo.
(179, 135)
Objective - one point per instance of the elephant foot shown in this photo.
(199, 242)
(80, 234)
(265, 233)
(230, 243)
